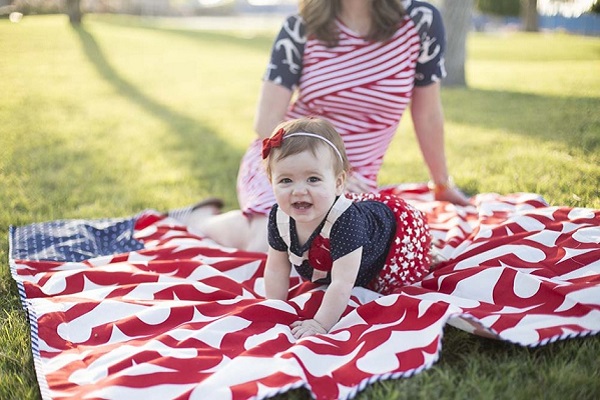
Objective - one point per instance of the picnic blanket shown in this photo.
(142, 308)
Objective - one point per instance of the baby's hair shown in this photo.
(298, 143)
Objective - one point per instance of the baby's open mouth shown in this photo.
(301, 205)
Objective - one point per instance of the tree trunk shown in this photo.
(530, 15)
(457, 19)
(74, 11)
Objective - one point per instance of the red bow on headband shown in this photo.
(272, 142)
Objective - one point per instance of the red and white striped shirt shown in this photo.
(360, 86)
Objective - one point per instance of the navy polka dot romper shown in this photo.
(394, 237)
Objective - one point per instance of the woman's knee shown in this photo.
(258, 234)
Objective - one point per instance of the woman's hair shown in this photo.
(319, 17)
(298, 144)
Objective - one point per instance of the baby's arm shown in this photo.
(337, 296)
(277, 275)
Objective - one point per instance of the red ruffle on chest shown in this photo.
(319, 254)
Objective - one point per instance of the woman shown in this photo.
(357, 64)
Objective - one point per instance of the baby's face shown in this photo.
(306, 185)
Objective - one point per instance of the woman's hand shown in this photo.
(308, 327)
(451, 194)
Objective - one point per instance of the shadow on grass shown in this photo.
(194, 135)
(545, 117)
(549, 118)
(572, 121)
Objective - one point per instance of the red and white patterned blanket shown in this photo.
(179, 317)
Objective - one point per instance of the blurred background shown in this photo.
(574, 16)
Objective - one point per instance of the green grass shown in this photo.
(120, 115)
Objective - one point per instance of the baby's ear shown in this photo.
(340, 183)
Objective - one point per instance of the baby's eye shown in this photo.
(314, 179)
(285, 180)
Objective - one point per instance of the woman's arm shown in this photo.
(285, 68)
(277, 275)
(428, 120)
(337, 296)
(273, 103)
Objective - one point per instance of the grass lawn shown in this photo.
(121, 115)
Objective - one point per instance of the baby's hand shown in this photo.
(308, 327)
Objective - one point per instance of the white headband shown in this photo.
(318, 137)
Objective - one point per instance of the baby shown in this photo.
(343, 240)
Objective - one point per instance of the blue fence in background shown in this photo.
(586, 24)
